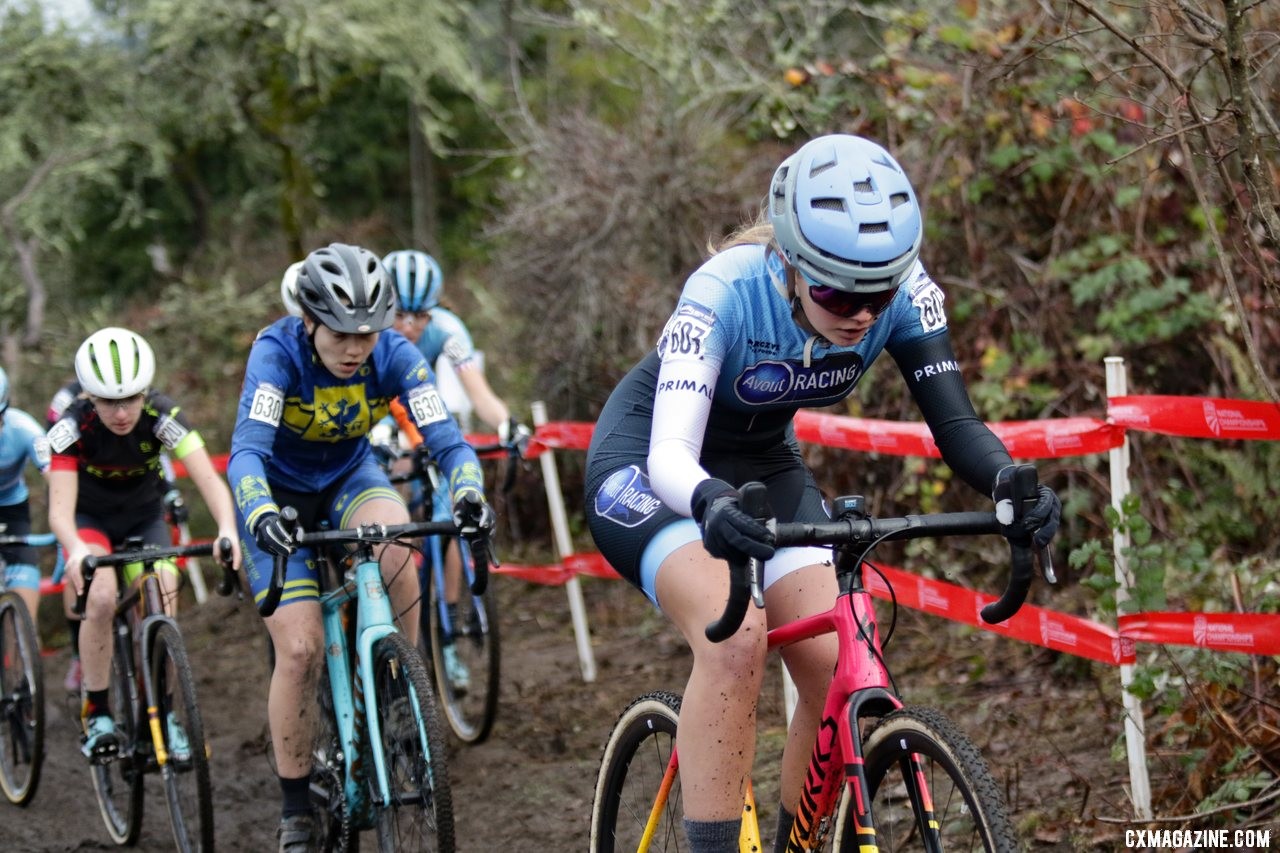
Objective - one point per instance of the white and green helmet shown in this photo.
(115, 363)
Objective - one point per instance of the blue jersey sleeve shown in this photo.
(268, 376)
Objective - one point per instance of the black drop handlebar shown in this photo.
(138, 553)
(368, 535)
(856, 531)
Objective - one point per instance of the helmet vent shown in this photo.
(819, 168)
(873, 228)
(331, 267)
(863, 187)
(899, 199)
(836, 204)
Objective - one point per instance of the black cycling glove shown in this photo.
(470, 509)
(1039, 522)
(272, 537)
(727, 531)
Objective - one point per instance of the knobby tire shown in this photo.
(632, 767)
(471, 709)
(118, 784)
(420, 815)
(188, 792)
(967, 804)
(21, 702)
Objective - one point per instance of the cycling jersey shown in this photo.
(301, 428)
(120, 470)
(22, 440)
(447, 335)
(731, 369)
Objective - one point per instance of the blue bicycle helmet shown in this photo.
(347, 289)
(844, 214)
(4, 391)
(418, 279)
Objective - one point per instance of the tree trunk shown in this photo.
(424, 202)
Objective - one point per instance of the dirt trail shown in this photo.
(1047, 735)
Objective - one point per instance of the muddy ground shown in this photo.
(1048, 725)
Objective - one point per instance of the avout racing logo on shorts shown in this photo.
(625, 498)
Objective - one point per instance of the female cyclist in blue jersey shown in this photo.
(22, 442)
(789, 313)
(439, 332)
(313, 387)
(106, 485)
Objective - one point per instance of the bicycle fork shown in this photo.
(150, 690)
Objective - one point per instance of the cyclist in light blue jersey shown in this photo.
(789, 313)
(22, 442)
(439, 332)
(313, 387)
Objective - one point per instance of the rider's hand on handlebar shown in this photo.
(470, 509)
(272, 536)
(1039, 522)
(514, 434)
(727, 531)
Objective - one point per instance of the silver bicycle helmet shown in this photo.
(289, 289)
(844, 214)
(115, 363)
(418, 278)
(346, 289)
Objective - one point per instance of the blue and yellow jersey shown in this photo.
(301, 428)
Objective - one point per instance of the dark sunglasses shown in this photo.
(842, 303)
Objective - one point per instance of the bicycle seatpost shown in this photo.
(744, 577)
(1025, 485)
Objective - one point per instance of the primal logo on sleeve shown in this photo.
(268, 405)
(170, 432)
(62, 435)
(41, 447)
(684, 337)
(425, 406)
(625, 498)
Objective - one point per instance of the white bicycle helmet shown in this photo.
(289, 289)
(347, 289)
(115, 363)
(418, 278)
(845, 215)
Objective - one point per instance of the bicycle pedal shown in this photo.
(103, 753)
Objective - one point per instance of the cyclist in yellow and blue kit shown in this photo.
(313, 387)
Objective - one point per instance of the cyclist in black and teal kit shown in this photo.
(788, 314)
(313, 387)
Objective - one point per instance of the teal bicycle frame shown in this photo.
(355, 701)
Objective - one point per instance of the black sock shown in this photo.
(785, 820)
(296, 795)
(96, 704)
(712, 836)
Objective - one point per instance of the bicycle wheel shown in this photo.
(958, 808)
(420, 814)
(634, 793)
(118, 784)
(337, 834)
(21, 702)
(465, 656)
(185, 770)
